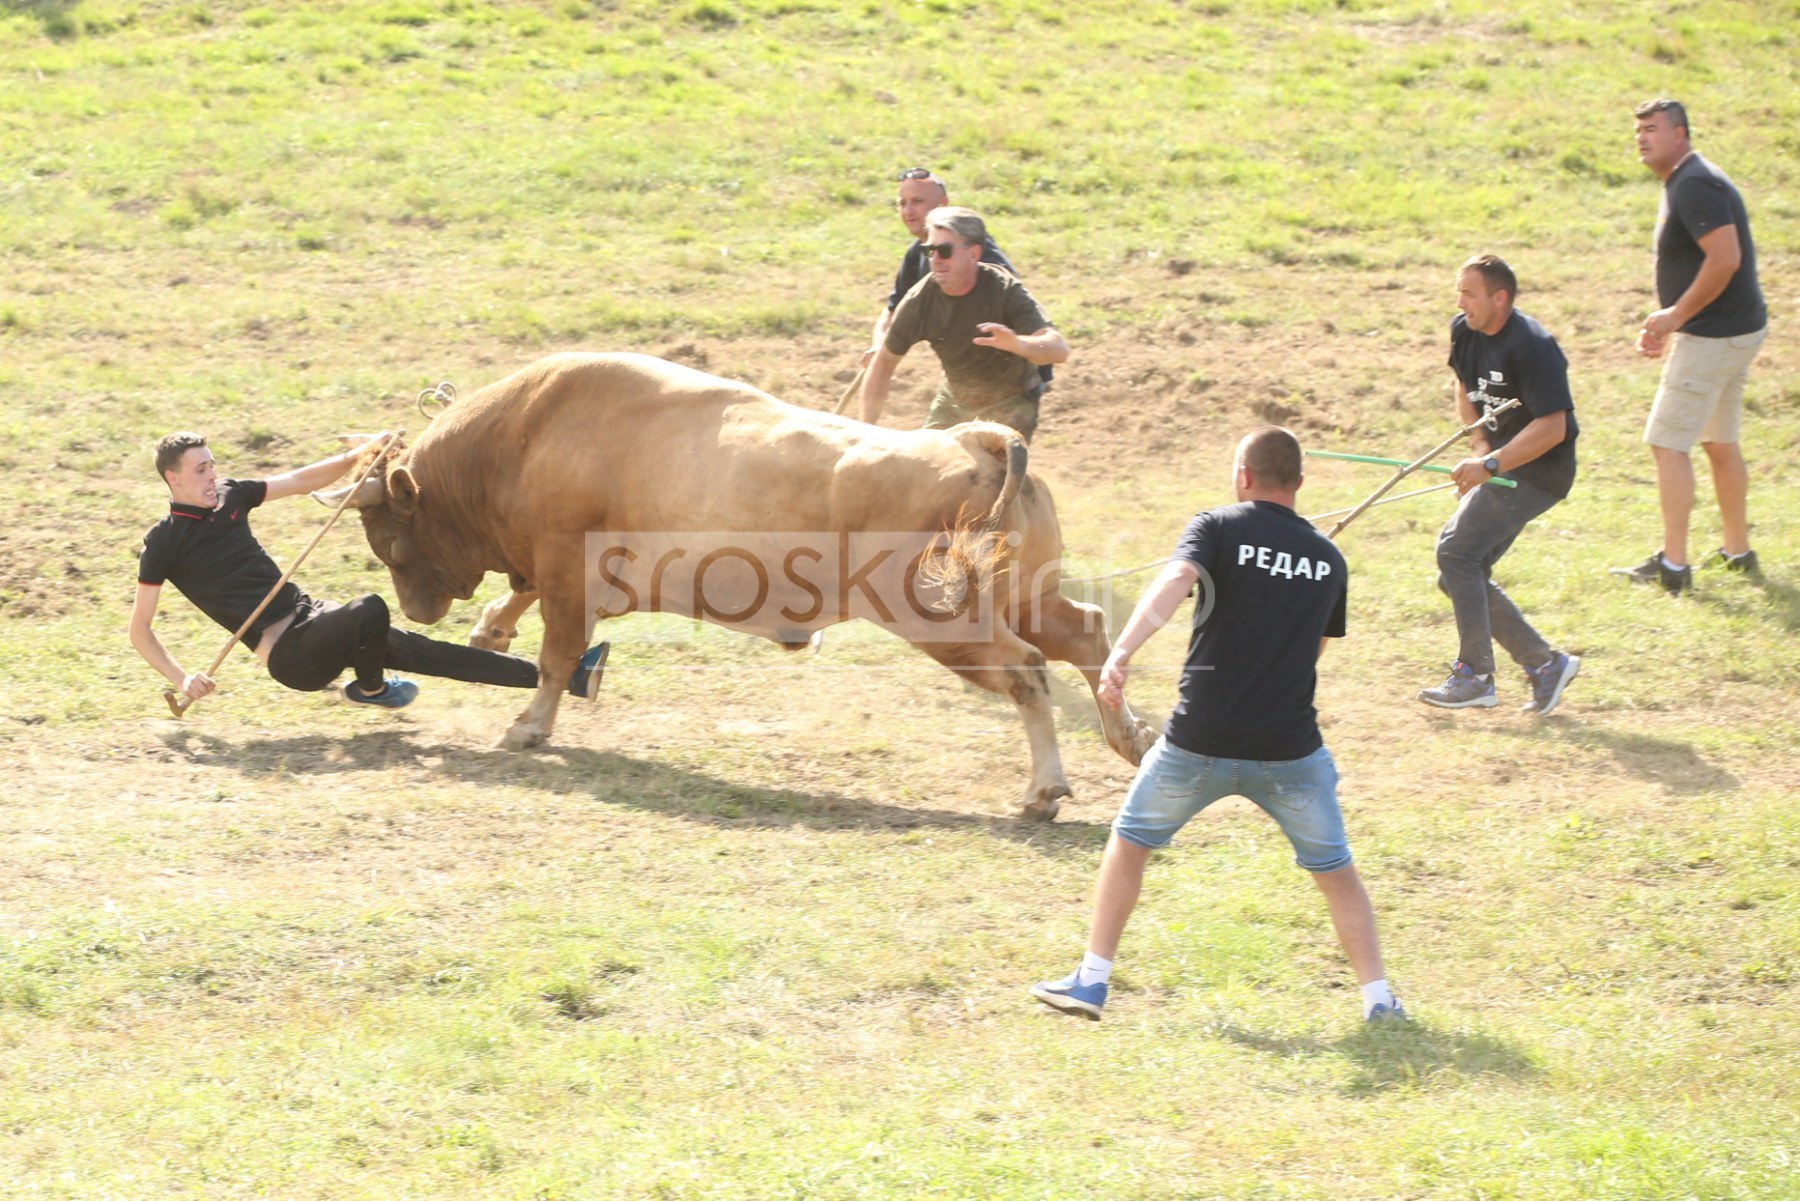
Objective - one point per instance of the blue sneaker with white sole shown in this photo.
(1077, 1000)
(397, 695)
(585, 683)
(1548, 682)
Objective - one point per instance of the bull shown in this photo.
(531, 475)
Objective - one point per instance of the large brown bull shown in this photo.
(587, 477)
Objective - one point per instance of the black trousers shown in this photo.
(326, 638)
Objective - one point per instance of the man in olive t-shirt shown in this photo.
(988, 332)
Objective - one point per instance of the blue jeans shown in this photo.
(1481, 530)
(1173, 785)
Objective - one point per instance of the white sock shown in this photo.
(1671, 566)
(1093, 970)
(1377, 992)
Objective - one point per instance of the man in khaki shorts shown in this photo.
(1711, 322)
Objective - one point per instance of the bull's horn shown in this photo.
(372, 492)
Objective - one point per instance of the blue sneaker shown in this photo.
(1548, 682)
(1461, 690)
(1382, 1014)
(397, 695)
(585, 683)
(1077, 1000)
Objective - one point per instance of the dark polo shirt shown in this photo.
(214, 560)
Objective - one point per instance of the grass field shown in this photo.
(754, 926)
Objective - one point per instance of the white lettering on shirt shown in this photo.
(1283, 563)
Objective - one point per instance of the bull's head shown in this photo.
(424, 584)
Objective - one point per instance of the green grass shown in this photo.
(750, 928)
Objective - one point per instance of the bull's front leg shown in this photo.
(498, 624)
(566, 629)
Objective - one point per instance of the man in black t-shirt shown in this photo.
(1712, 322)
(1271, 590)
(205, 548)
(1499, 354)
(988, 333)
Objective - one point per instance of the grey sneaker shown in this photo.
(1547, 682)
(1381, 1015)
(1461, 689)
(1745, 562)
(1674, 580)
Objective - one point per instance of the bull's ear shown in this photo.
(402, 491)
(371, 492)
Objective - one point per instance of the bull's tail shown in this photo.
(965, 561)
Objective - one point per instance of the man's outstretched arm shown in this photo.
(314, 476)
(1153, 611)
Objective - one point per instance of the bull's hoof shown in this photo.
(1045, 803)
(1143, 737)
(491, 640)
(523, 737)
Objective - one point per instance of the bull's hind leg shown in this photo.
(498, 624)
(1008, 667)
(1071, 632)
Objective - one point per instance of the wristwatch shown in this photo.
(1491, 465)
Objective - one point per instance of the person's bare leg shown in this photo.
(1731, 484)
(1353, 917)
(1116, 894)
(1675, 490)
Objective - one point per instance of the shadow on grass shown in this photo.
(54, 14)
(1676, 765)
(1412, 1055)
(1780, 602)
(609, 778)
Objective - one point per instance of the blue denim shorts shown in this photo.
(1173, 785)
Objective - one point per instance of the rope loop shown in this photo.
(443, 394)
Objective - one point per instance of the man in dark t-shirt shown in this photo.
(1711, 323)
(988, 333)
(1497, 354)
(205, 548)
(1271, 590)
(921, 191)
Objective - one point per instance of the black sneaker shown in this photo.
(1745, 562)
(1674, 580)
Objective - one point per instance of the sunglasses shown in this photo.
(942, 250)
(916, 173)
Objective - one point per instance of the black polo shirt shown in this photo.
(214, 560)
(1270, 587)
